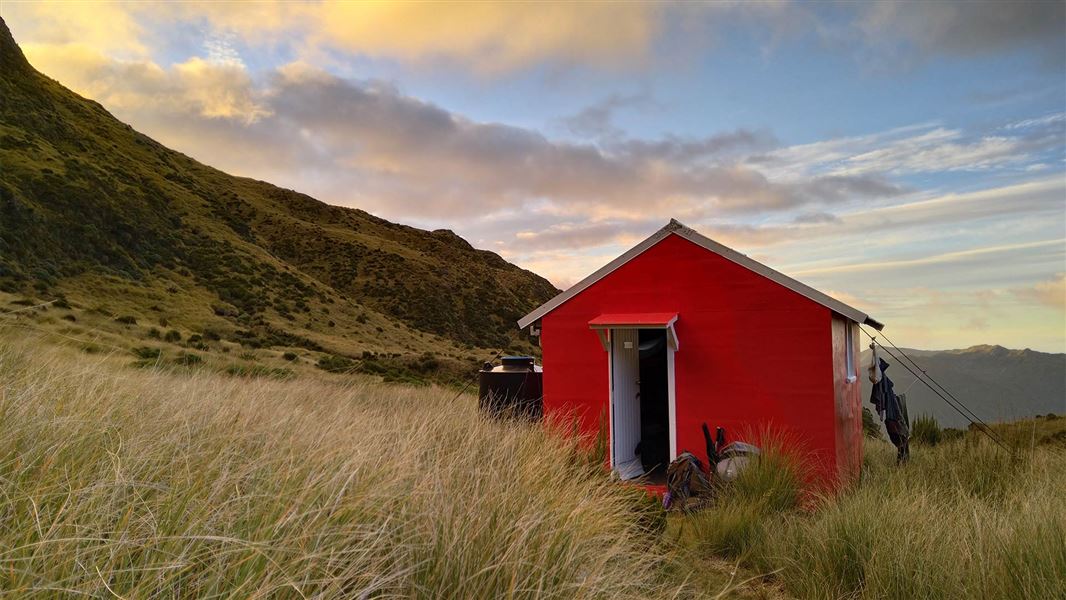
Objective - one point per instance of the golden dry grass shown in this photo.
(138, 483)
(963, 519)
(135, 483)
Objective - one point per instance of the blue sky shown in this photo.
(907, 158)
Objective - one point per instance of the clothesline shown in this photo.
(929, 382)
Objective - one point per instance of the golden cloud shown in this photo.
(489, 38)
(105, 26)
(196, 86)
(494, 37)
(1050, 293)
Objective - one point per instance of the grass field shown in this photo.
(963, 519)
(140, 482)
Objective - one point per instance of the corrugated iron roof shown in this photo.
(675, 227)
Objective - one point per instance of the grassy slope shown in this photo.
(153, 483)
(93, 210)
(164, 342)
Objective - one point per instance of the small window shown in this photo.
(849, 349)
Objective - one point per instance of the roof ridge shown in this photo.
(675, 227)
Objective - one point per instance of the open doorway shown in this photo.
(654, 403)
(640, 401)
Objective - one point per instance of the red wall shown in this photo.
(753, 354)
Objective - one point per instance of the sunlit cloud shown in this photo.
(935, 220)
(1050, 293)
(196, 87)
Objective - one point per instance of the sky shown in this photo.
(906, 158)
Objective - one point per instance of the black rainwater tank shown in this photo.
(514, 388)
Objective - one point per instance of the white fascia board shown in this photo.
(676, 228)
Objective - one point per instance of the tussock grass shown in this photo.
(771, 484)
(963, 519)
(152, 482)
(143, 483)
(925, 430)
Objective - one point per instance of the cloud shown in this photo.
(1055, 119)
(496, 37)
(718, 148)
(597, 120)
(936, 151)
(972, 256)
(487, 38)
(847, 211)
(194, 87)
(966, 29)
(921, 148)
(1050, 293)
(366, 143)
(914, 218)
(493, 39)
(106, 27)
(570, 235)
(816, 218)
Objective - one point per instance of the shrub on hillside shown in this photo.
(126, 320)
(146, 352)
(245, 370)
(335, 364)
(189, 359)
(925, 430)
(173, 336)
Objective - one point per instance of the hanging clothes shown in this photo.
(890, 408)
(875, 365)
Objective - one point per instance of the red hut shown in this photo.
(680, 331)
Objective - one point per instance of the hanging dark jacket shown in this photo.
(887, 403)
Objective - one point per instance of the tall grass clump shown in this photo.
(145, 483)
(925, 430)
(771, 484)
(964, 519)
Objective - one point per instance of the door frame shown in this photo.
(607, 339)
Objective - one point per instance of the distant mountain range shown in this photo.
(92, 210)
(996, 383)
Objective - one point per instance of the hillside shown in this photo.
(106, 218)
(997, 383)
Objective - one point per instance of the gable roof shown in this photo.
(674, 227)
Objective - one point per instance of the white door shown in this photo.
(625, 402)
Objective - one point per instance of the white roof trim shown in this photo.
(674, 227)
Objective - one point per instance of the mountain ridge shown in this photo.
(93, 210)
(995, 382)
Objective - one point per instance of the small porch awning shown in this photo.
(605, 322)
